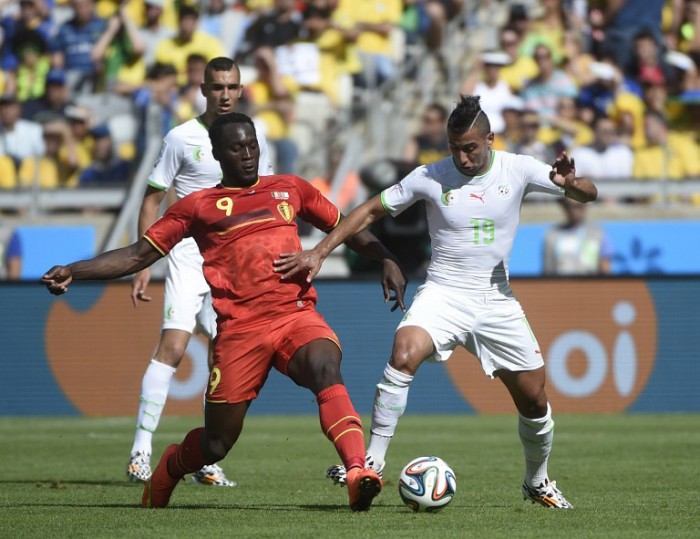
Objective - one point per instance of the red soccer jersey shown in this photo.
(240, 231)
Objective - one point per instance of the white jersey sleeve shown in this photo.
(535, 175)
(408, 191)
(167, 165)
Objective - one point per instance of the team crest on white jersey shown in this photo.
(449, 198)
(504, 191)
(280, 195)
(198, 154)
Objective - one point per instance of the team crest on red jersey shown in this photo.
(286, 211)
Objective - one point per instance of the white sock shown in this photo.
(389, 404)
(154, 392)
(536, 436)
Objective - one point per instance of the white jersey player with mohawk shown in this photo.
(187, 165)
(473, 201)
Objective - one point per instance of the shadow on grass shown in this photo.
(60, 483)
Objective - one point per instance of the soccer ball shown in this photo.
(427, 484)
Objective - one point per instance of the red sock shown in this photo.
(342, 425)
(189, 457)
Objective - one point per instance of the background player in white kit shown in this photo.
(473, 203)
(186, 163)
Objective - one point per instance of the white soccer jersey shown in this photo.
(472, 220)
(186, 159)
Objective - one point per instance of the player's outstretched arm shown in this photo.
(563, 174)
(310, 261)
(110, 265)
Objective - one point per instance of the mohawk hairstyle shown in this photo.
(467, 115)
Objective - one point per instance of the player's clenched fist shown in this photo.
(57, 279)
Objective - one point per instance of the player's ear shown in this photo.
(490, 138)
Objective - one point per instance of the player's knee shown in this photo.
(405, 359)
(535, 407)
(171, 352)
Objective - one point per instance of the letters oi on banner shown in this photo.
(598, 340)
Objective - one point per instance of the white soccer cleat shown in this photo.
(213, 476)
(138, 470)
(547, 494)
(338, 474)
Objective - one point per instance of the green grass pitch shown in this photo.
(627, 476)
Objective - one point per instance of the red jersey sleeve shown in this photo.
(315, 208)
(174, 225)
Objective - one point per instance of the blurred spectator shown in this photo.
(80, 121)
(565, 130)
(157, 104)
(509, 139)
(485, 81)
(226, 22)
(10, 254)
(338, 62)
(74, 43)
(8, 172)
(52, 104)
(606, 158)
(107, 169)
(32, 17)
(688, 38)
(529, 144)
(274, 28)
(375, 20)
(521, 68)
(430, 144)
(646, 64)
(191, 93)
(542, 92)
(622, 21)
(188, 40)
(576, 247)
(33, 64)
(59, 166)
(438, 13)
(667, 154)
(546, 29)
(609, 96)
(19, 138)
(119, 53)
(577, 62)
(153, 31)
(271, 101)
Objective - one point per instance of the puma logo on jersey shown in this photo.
(477, 197)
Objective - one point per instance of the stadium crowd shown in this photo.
(82, 82)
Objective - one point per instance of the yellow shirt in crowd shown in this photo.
(371, 12)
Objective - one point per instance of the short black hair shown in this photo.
(467, 115)
(216, 128)
(220, 63)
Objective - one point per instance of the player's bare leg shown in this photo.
(536, 429)
(316, 366)
(201, 447)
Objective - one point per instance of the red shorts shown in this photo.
(243, 359)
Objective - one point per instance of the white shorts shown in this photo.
(187, 305)
(491, 325)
